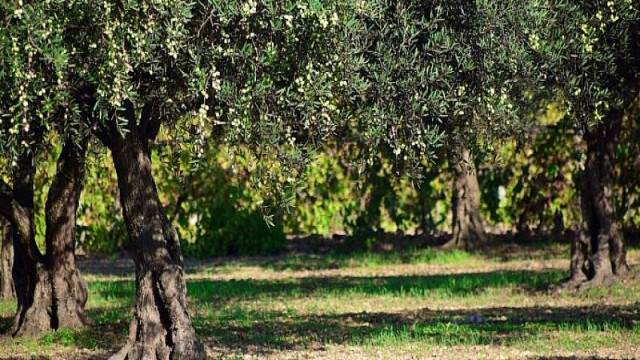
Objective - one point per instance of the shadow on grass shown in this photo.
(455, 285)
(267, 332)
(443, 286)
(264, 332)
(398, 252)
(233, 329)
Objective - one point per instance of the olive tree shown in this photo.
(492, 100)
(589, 51)
(49, 289)
(453, 73)
(246, 73)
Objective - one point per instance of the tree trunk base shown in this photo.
(583, 284)
(598, 281)
(180, 351)
(598, 254)
(35, 317)
(49, 311)
(69, 298)
(469, 242)
(161, 328)
(7, 292)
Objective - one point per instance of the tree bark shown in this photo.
(161, 328)
(598, 252)
(467, 226)
(69, 290)
(49, 290)
(32, 284)
(7, 292)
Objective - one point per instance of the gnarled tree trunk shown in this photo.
(69, 290)
(598, 253)
(6, 262)
(30, 279)
(161, 328)
(49, 290)
(467, 227)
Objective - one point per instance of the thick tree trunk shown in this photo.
(69, 290)
(161, 328)
(7, 291)
(598, 252)
(30, 278)
(467, 227)
(50, 292)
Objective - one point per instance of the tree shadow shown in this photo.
(263, 332)
(502, 326)
(423, 286)
(454, 285)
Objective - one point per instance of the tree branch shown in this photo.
(99, 131)
(130, 115)
(150, 122)
(84, 96)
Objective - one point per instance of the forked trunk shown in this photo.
(161, 328)
(7, 291)
(50, 292)
(598, 252)
(467, 226)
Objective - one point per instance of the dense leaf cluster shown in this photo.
(277, 80)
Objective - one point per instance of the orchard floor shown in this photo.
(415, 304)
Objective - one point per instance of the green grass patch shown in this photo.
(369, 259)
(383, 308)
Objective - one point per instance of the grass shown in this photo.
(412, 304)
(370, 260)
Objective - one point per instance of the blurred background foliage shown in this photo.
(528, 192)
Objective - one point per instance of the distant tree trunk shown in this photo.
(161, 328)
(50, 292)
(598, 251)
(468, 228)
(423, 212)
(6, 262)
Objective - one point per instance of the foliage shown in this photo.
(628, 176)
(533, 190)
(217, 211)
(322, 205)
(32, 69)
(277, 81)
(100, 225)
(594, 70)
(341, 197)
